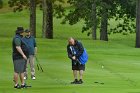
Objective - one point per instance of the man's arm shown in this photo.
(69, 52)
(35, 46)
(35, 50)
(21, 52)
(18, 44)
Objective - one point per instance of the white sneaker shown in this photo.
(25, 78)
(33, 78)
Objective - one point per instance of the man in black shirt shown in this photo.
(75, 50)
(20, 55)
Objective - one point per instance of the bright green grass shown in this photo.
(120, 72)
(121, 60)
(9, 21)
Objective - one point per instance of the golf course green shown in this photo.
(113, 66)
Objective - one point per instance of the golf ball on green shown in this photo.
(102, 66)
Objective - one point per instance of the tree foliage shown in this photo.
(123, 11)
(82, 11)
(125, 15)
(18, 5)
(50, 8)
(56, 8)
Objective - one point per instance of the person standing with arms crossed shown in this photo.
(76, 65)
(31, 42)
(19, 55)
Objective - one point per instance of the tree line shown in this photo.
(49, 9)
(95, 13)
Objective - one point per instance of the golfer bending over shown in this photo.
(75, 50)
(20, 54)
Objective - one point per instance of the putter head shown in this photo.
(96, 82)
(102, 83)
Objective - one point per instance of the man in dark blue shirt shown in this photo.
(76, 65)
(31, 42)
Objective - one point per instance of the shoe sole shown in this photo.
(26, 87)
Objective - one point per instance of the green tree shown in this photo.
(51, 8)
(138, 24)
(47, 19)
(123, 11)
(125, 15)
(93, 13)
(19, 5)
(44, 8)
(82, 11)
(104, 22)
(33, 17)
(107, 12)
(94, 21)
(1, 4)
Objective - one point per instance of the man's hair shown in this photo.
(70, 38)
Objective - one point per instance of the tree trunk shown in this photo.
(49, 20)
(33, 17)
(1, 4)
(104, 24)
(138, 24)
(44, 7)
(94, 21)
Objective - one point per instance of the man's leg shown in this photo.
(22, 70)
(23, 84)
(32, 67)
(16, 78)
(75, 77)
(75, 74)
(26, 70)
(81, 72)
(22, 78)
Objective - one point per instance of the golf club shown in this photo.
(38, 65)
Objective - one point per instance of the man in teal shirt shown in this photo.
(32, 47)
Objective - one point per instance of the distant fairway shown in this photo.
(121, 61)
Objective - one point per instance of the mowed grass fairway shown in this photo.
(121, 61)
